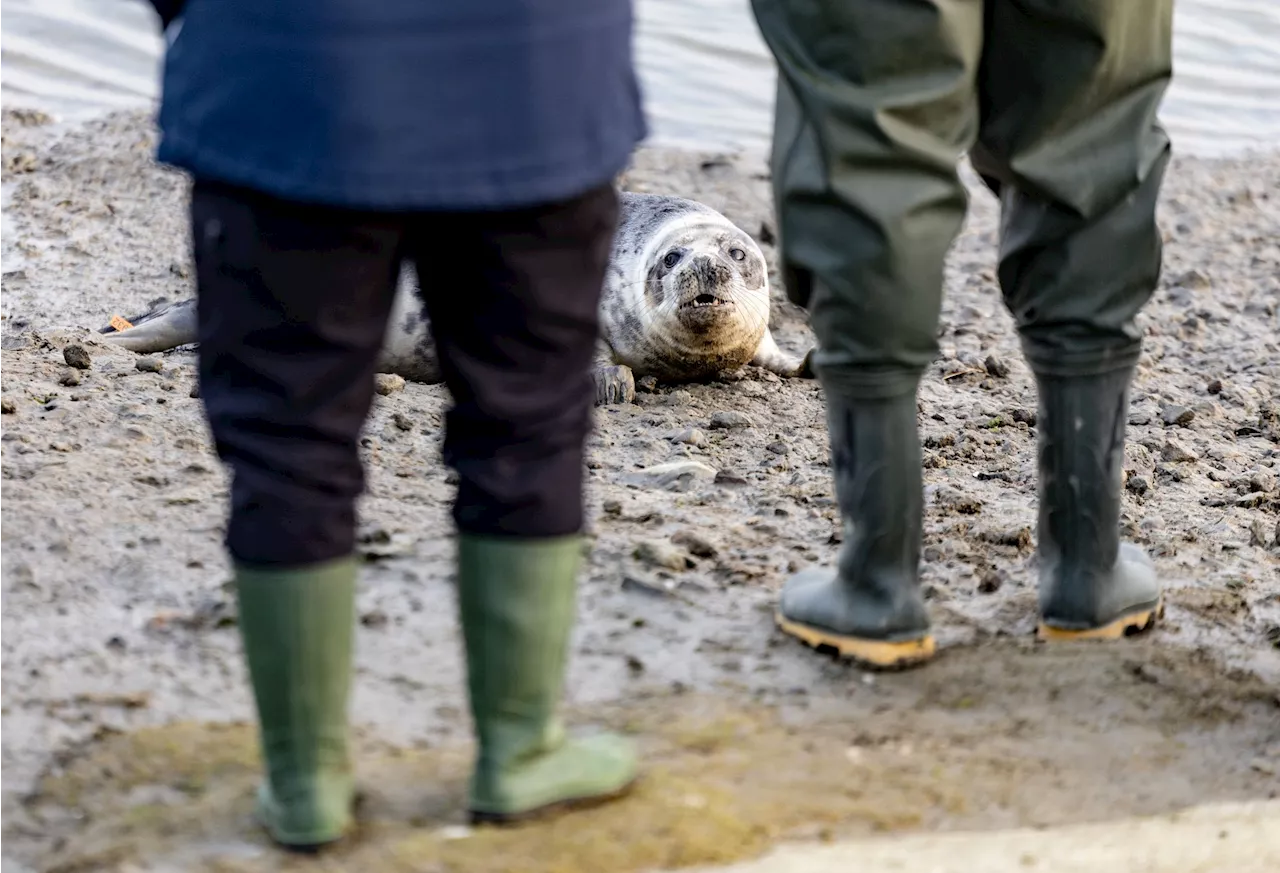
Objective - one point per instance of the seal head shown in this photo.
(688, 292)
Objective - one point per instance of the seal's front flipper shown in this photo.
(775, 360)
(615, 383)
(159, 330)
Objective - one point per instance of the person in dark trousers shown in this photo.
(328, 142)
(1055, 103)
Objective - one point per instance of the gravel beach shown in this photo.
(125, 707)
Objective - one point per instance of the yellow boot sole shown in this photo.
(876, 654)
(1126, 625)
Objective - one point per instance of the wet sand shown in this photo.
(125, 738)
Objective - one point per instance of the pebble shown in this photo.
(149, 365)
(612, 507)
(659, 554)
(388, 383)
(1214, 387)
(990, 582)
(996, 367)
(729, 420)
(694, 544)
(664, 475)
(7, 406)
(778, 448)
(691, 436)
(195, 391)
(1177, 415)
(70, 378)
(1262, 481)
(1138, 484)
(728, 477)
(76, 356)
(1258, 535)
(374, 618)
(1026, 416)
(402, 421)
(1176, 453)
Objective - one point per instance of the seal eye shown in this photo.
(671, 260)
(737, 254)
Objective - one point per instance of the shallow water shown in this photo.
(707, 76)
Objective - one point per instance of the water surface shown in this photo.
(707, 76)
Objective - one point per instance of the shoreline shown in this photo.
(118, 629)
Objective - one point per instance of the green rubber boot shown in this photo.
(869, 608)
(1092, 585)
(297, 628)
(517, 601)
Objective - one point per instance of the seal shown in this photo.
(685, 299)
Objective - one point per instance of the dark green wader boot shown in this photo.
(869, 608)
(297, 627)
(517, 602)
(1092, 585)
(1071, 146)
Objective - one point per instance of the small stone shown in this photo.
(1214, 387)
(195, 391)
(728, 477)
(1177, 415)
(374, 618)
(402, 421)
(647, 384)
(778, 448)
(1176, 453)
(641, 586)
(612, 507)
(1192, 279)
(694, 544)
(1263, 482)
(1138, 485)
(729, 420)
(933, 554)
(659, 554)
(690, 437)
(674, 473)
(70, 378)
(1027, 416)
(996, 367)
(75, 356)
(990, 582)
(149, 365)
(116, 643)
(388, 383)
(7, 406)
(1258, 534)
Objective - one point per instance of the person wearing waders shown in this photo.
(1055, 103)
(328, 142)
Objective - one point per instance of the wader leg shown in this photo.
(876, 104)
(1070, 144)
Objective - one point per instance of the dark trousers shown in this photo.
(293, 306)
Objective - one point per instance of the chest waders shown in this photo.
(1055, 104)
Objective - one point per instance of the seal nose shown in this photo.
(709, 271)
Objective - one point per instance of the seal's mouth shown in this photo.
(703, 301)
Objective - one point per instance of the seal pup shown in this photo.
(685, 298)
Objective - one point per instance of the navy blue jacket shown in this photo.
(403, 104)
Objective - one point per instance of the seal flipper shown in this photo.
(159, 330)
(775, 360)
(615, 383)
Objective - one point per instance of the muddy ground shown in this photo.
(124, 699)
